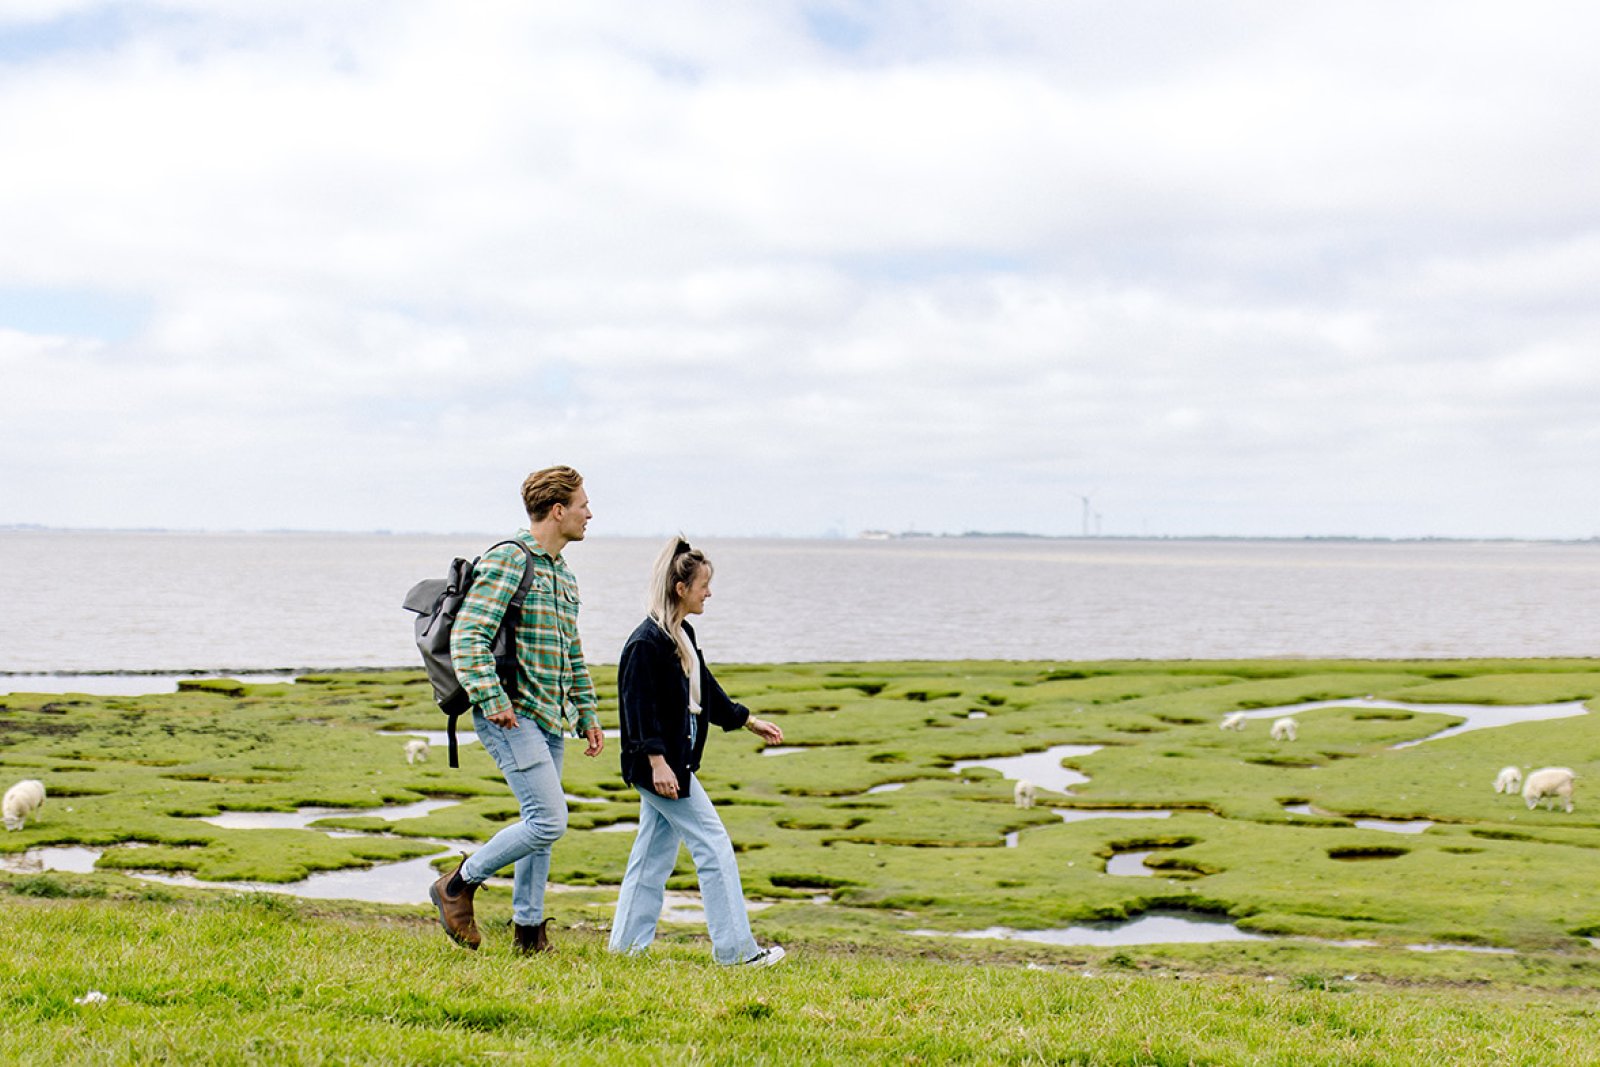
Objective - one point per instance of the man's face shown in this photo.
(574, 517)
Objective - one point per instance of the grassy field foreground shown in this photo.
(260, 979)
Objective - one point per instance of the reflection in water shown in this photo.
(1393, 826)
(405, 882)
(687, 908)
(1475, 716)
(74, 859)
(124, 685)
(1082, 814)
(1043, 769)
(302, 818)
(1130, 865)
(1152, 928)
(1415, 826)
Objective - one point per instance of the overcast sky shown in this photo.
(1251, 268)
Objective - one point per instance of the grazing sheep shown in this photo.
(416, 749)
(1551, 782)
(1509, 780)
(1285, 730)
(22, 800)
(1233, 721)
(1023, 793)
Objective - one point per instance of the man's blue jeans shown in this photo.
(662, 824)
(530, 759)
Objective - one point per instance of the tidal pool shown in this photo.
(73, 859)
(302, 818)
(1083, 814)
(1130, 864)
(405, 882)
(1043, 769)
(1414, 826)
(125, 685)
(1151, 928)
(1393, 826)
(1476, 716)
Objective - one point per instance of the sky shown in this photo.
(1126, 268)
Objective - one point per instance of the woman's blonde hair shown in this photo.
(677, 562)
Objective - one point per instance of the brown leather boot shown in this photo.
(532, 938)
(455, 909)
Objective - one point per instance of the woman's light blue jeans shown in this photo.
(662, 824)
(530, 759)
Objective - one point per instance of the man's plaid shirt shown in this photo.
(551, 674)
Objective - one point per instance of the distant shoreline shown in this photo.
(865, 535)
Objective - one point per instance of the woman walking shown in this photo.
(668, 697)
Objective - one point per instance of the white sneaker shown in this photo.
(765, 958)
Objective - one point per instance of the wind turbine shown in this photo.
(1085, 498)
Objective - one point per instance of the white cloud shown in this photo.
(1227, 267)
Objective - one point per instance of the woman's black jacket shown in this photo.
(653, 693)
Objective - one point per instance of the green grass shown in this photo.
(379, 983)
(261, 979)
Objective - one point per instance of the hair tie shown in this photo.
(680, 548)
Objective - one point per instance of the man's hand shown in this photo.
(765, 730)
(597, 741)
(506, 720)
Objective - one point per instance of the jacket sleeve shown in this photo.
(638, 698)
(494, 582)
(722, 711)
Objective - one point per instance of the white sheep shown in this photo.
(1233, 721)
(417, 749)
(22, 800)
(1509, 780)
(1023, 793)
(1551, 782)
(1285, 730)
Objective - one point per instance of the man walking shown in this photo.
(522, 732)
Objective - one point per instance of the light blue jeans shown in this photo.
(530, 759)
(662, 824)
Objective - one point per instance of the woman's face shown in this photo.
(694, 594)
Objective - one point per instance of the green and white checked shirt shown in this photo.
(551, 674)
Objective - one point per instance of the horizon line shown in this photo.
(862, 535)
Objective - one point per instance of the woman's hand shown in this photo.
(662, 779)
(765, 730)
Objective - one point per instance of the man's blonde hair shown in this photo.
(543, 490)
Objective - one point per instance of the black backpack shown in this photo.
(436, 602)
